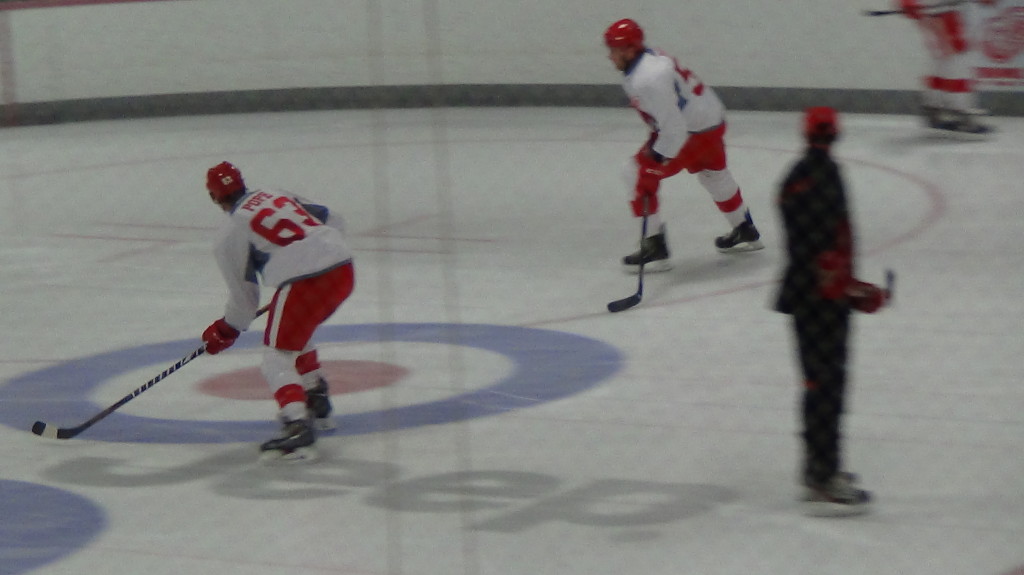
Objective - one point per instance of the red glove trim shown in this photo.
(865, 297)
(648, 179)
(219, 336)
(649, 166)
(833, 274)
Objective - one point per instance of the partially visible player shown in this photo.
(948, 98)
(297, 248)
(687, 127)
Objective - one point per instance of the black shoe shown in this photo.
(653, 253)
(837, 497)
(318, 402)
(847, 476)
(295, 442)
(742, 238)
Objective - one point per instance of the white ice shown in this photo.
(682, 462)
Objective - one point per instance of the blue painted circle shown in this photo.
(43, 524)
(547, 365)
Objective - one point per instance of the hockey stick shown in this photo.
(890, 286)
(53, 432)
(931, 6)
(628, 302)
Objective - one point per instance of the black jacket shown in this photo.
(812, 202)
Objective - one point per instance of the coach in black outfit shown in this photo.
(818, 290)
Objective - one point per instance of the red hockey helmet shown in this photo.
(223, 181)
(821, 123)
(624, 34)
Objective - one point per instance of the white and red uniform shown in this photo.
(950, 85)
(672, 100)
(687, 123)
(297, 247)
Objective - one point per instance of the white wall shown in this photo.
(133, 49)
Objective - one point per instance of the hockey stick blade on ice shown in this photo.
(628, 302)
(53, 432)
(47, 430)
(624, 303)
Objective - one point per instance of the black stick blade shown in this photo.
(624, 304)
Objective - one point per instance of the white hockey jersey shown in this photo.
(672, 100)
(278, 237)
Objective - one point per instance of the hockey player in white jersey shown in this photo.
(297, 248)
(687, 128)
(948, 98)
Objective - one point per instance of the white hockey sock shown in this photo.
(654, 224)
(308, 366)
(726, 193)
(294, 410)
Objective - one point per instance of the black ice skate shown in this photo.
(837, 497)
(295, 444)
(962, 124)
(933, 116)
(743, 238)
(653, 253)
(318, 402)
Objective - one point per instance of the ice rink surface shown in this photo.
(494, 418)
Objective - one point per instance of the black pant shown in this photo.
(822, 331)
